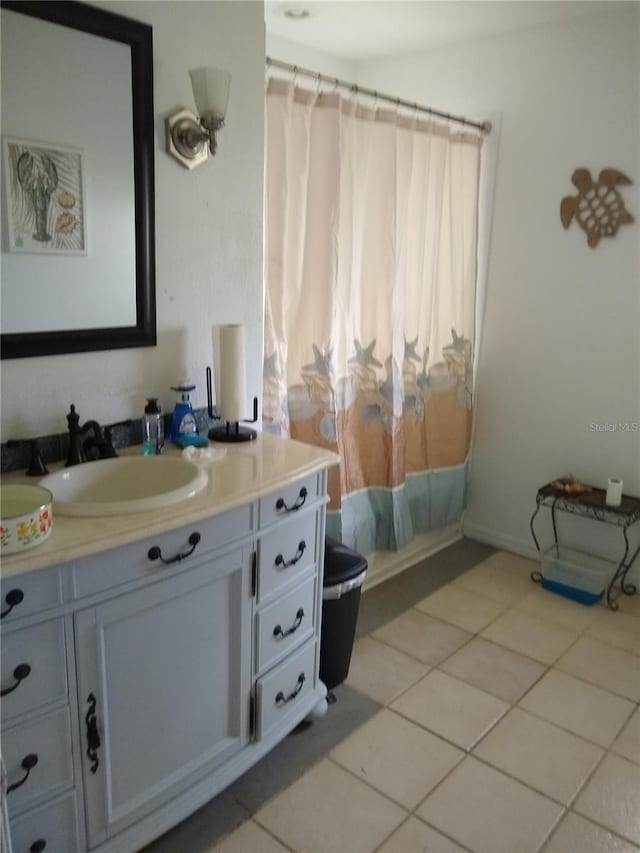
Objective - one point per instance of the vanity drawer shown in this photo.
(280, 692)
(34, 670)
(289, 500)
(286, 552)
(285, 624)
(48, 738)
(132, 562)
(56, 824)
(31, 593)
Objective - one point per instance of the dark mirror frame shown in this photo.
(138, 36)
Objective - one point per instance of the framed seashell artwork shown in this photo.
(598, 208)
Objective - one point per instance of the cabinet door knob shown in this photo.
(282, 700)
(280, 560)
(278, 632)
(155, 553)
(13, 598)
(19, 673)
(28, 763)
(38, 846)
(302, 496)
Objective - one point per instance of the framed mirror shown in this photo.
(78, 221)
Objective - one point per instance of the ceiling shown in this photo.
(366, 29)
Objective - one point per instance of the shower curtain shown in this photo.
(370, 271)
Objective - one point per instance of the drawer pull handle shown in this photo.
(280, 560)
(93, 737)
(19, 673)
(282, 700)
(13, 598)
(28, 763)
(280, 504)
(278, 632)
(156, 554)
(38, 846)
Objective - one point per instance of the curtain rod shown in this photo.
(483, 126)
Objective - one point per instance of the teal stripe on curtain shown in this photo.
(388, 519)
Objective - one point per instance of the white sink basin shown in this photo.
(126, 484)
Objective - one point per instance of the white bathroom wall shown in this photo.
(208, 235)
(307, 57)
(559, 372)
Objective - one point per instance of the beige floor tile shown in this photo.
(249, 838)
(598, 663)
(611, 797)
(582, 708)
(550, 607)
(489, 812)
(506, 587)
(397, 757)
(414, 836)
(461, 607)
(575, 834)
(617, 629)
(493, 668)
(450, 708)
(530, 636)
(628, 744)
(547, 758)
(422, 637)
(382, 672)
(630, 604)
(506, 561)
(327, 809)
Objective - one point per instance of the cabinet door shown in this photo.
(169, 667)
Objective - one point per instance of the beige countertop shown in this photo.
(246, 472)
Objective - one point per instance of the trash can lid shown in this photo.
(341, 563)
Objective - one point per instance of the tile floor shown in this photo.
(489, 715)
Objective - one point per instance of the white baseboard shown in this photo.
(499, 540)
(385, 564)
(525, 549)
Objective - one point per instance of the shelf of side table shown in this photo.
(592, 504)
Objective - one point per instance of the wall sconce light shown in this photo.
(191, 137)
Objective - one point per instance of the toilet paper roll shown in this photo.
(232, 400)
(614, 492)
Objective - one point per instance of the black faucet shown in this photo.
(95, 446)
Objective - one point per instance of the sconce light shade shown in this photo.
(210, 91)
(191, 138)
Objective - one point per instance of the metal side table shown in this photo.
(591, 504)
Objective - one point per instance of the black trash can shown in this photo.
(344, 573)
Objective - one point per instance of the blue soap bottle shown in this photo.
(183, 421)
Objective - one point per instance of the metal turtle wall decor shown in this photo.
(598, 208)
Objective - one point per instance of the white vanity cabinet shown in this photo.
(155, 682)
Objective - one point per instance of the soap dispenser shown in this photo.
(183, 421)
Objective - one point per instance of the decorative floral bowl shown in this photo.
(25, 517)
